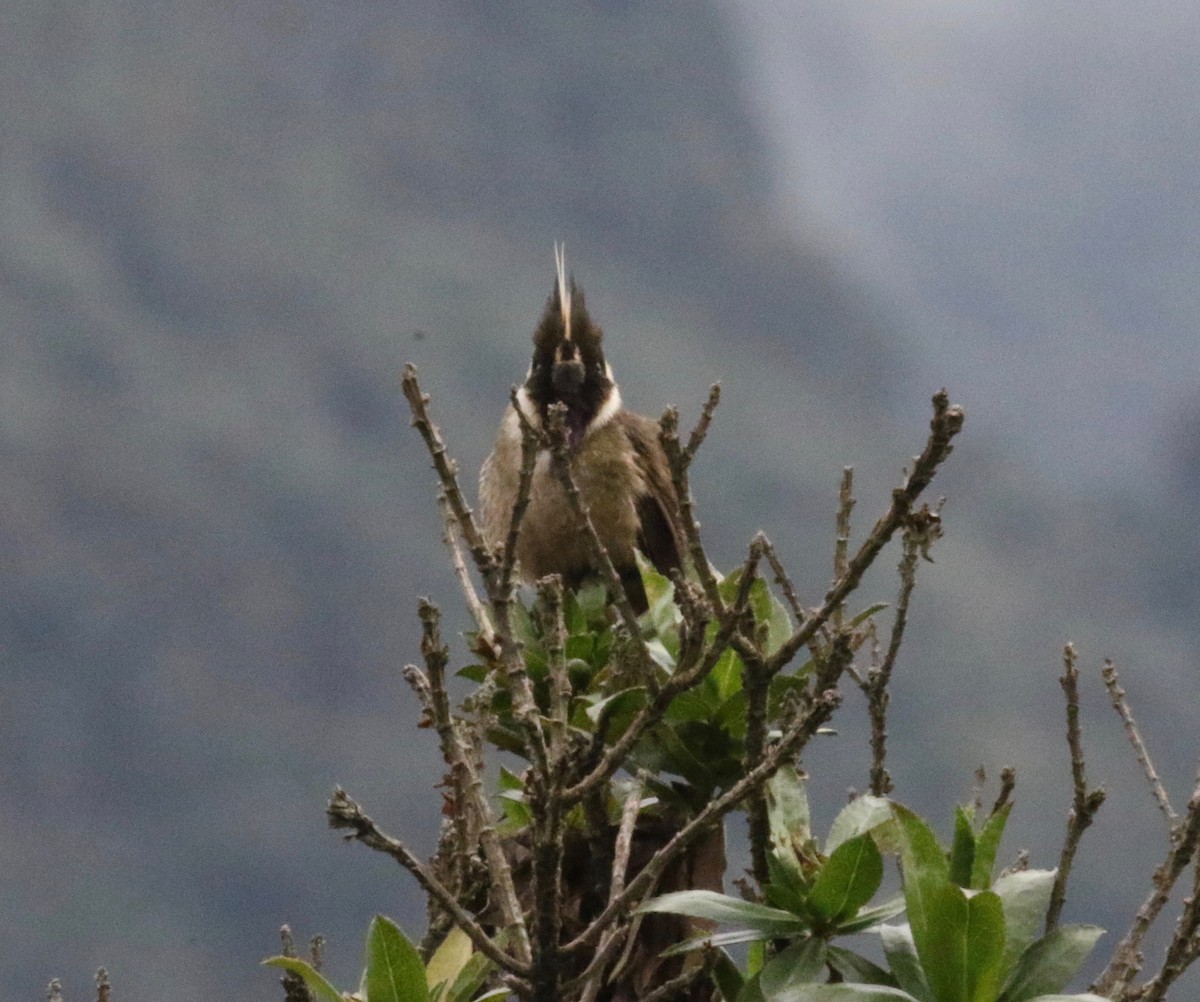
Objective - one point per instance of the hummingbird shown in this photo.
(617, 460)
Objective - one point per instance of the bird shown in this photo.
(617, 461)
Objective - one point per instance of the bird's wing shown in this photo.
(660, 536)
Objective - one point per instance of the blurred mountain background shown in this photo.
(227, 226)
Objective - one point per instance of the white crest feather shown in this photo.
(564, 294)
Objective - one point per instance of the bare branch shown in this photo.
(1112, 682)
(701, 430)
(468, 781)
(447, 472)
(781, 577)
(1085, 802)
(1184, 947)
(561, 463)
(474, 603)
(679, 460)
(1127, 959)
(947, 422)
(841, 546)
(346, 814)
(532, 441)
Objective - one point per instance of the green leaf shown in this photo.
(962, 849)
(660, 655)
(770, 922)
(1049, 964)
(962, 945)
(857, 969)
(394, 969)
(802, 963)
(1083, 997)
(449, 958)
(324, 991)
(787, 809)
(868, 917)
(863, 814)
(512, 799)
(470, 979)
(843, 993)
(924, 867)
(987, 845)
(769, 610)
(472, 673)
(726, 676)
(847, 880)
(728, 978)
(1025, 896)
(868, 612)
(901, 953)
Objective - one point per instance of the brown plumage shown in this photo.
(617, 461)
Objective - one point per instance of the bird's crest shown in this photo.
(564, 288)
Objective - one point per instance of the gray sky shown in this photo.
(1022, 181)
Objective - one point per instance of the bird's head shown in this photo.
(568, 364)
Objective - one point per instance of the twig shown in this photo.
(1008, 783)
(447, 473)
(1085, 802)
(450, 537)
(294, 988)
(561, 464)
(532, 440)
(875, 685)
(591, 979)
(678, 985)
(841, 546)
(756, 684)
(345, 813)
(679, 460)
(1112, 682)
(1127, 959)
(701, 430)
(467, 775)
(947, 422)
(1184, 947)
(781, 576)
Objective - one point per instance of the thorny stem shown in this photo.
(1085, 802)
(947, 422)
